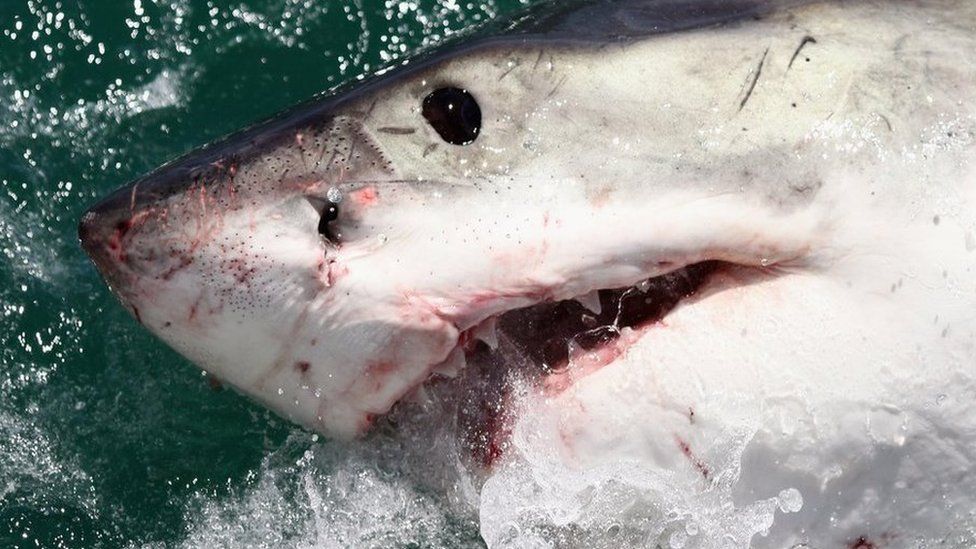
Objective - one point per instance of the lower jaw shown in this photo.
(550, 346)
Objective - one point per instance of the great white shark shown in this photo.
(660, 236)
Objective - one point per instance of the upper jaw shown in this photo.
(575, 250)
(619, 248)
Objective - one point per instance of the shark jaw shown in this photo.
(551, 345)
(343, 338)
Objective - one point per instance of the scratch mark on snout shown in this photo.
(538, 60)
(132, 197)
(806, 40)
(512, 65)
(396, 131)
(755, 80)
(557, 86)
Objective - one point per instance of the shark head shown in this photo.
(331, 260)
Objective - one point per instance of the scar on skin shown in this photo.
(806, 40)
(514, 65)
(695, 460)
(755, 80)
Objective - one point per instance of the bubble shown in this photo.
(678, 539)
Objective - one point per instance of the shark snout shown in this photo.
(101, 231)
(109, 230)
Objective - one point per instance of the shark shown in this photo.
(710, 244)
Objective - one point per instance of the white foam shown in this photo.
(535, 500)
(319, 494)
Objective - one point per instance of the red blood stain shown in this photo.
(302, 366)
(498, 436)
(862, 543)
(466, 339)
(491, 440)
(367, 421)
(239, 270)
(365, 197)
(185, 261)
(330, 271)
(695, 460)
(380, 368)
(115, 240)
(214, 383)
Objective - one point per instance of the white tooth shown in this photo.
(591, 301)
(420, 397)
(452, 366)
(486, 332)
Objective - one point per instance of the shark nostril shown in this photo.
(122, 227)
(330, 213)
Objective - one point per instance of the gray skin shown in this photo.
(822, 151)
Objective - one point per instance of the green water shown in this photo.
(107, 438)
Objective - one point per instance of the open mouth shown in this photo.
(550, 345)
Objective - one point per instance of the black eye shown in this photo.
(329, 214)
(455, 115)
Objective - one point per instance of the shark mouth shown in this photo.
(550, 345)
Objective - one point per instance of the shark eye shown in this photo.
(329, 214)
(454, 114)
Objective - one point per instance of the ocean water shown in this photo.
(108, 438)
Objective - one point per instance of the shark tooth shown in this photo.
(591, 301)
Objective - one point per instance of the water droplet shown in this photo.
(790, 500)
(334, 195)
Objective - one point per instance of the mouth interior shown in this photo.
(545, 341)
(548, 333)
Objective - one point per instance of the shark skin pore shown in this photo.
(817, 386)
